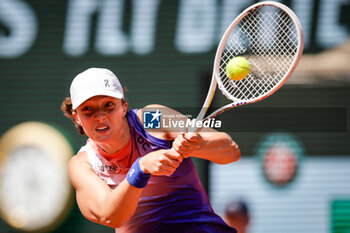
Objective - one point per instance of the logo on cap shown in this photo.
(107, 83)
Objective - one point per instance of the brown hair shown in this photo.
(67, 109)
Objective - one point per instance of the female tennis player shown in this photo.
(136, 180)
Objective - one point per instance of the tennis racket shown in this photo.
(269, 35)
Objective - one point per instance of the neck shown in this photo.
(119, 155)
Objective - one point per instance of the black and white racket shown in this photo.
(269, 35)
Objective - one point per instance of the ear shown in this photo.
(76, 118)
(125, 108)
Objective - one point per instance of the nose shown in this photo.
(100, 117)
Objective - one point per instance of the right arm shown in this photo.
(98, 203)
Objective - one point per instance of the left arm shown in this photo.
(217, 147)
(211, 145)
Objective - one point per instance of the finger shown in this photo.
(174, 163)
(165, 159)
(176, 144)
(186, 144)
(183, 153)
(175, 148)
(181, 139)
(165, 169)
(169, 168)
(190, 140)
(193, 137)
(173, 154)
(185, 149)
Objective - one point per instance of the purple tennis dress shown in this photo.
(168, 204)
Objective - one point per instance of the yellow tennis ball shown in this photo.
(237, 68)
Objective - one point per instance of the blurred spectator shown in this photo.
(237, 215)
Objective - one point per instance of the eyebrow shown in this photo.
(88, 103)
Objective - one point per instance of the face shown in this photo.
(101, 118)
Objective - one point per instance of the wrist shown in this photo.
(136, 176)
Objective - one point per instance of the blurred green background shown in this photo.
(163, 52)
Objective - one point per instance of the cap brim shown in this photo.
(89, 94)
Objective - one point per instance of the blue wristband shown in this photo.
(136, 177)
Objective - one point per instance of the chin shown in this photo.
(98, 137)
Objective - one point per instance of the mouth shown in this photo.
(102, 129)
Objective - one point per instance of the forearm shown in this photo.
(218, 147)
(96, 201)
(112, 208)
(120, 205)
(124, 199)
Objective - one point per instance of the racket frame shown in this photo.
(216, 68)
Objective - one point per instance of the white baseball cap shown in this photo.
(93, 82)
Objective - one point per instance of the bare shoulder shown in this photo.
(78, 166)
(78, 160)
(154, 107)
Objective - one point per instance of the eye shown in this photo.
(86, 110)
(109, 105)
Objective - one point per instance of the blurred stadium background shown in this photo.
(294, 173)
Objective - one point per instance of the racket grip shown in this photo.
(196, 129)
(193, 129)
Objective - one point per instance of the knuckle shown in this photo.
(159, 165)
(180, 139)
(171, 171)
(162, 158)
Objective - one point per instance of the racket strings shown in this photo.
(268, 38)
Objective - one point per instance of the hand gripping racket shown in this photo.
(269, 35)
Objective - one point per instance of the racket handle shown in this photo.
(192, 129)
(195, 129)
